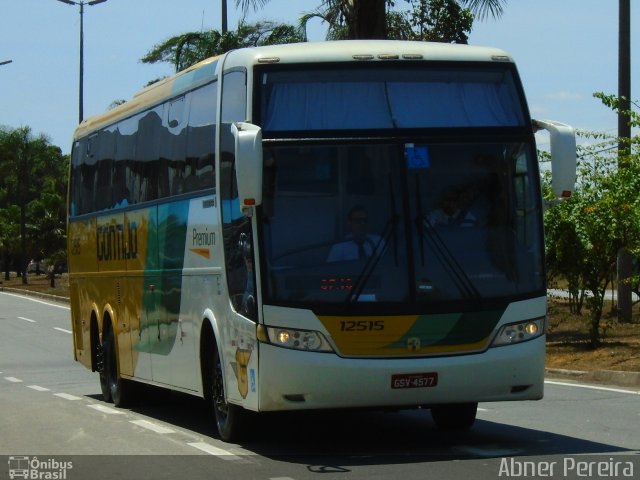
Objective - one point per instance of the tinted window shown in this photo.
(174, 146)
(421, 225)
(201, 139)
(419, 96)
(237, 232)
(167, 150)
(149, 137)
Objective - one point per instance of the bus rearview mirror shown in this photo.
(248, 151)
(563, 156)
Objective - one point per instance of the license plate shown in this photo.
(414, 380)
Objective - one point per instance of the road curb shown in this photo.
(609, 377)
(30, 293)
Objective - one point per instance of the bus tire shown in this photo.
(456, 416)
(118, 390)
(99, 363)
(231, 420)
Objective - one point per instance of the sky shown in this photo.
(565, 51)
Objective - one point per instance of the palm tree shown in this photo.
(368, 18)
(484, 8)
(351, 19)
(189, 48)
(245, 6)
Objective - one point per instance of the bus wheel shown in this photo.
(457, 416)
(102, 370)
(118, 390)
(230, 419)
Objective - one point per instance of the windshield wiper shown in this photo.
(449, 262)
(419, 219)
(447, 259)
(373, 260)
(377, 253)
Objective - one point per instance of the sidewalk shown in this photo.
(29, 293)
(603, 377)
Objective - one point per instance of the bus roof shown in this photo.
(364, 50)
(308, 52)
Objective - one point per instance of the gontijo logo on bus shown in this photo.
(117, 241)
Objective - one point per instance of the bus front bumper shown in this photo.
(298, 380)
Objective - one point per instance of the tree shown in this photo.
(585, 233)
(440, 21)
(246, 4)
(485, 8)
(33, 183)
(189, 48)
(374, 19)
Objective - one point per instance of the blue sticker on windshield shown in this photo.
(417, 156)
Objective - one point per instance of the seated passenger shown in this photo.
(453, 211)
(358, 244)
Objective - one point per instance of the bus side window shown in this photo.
(147, 152)
(201, 134)
(125, 150)
(103, 150)
(236, 227)
(174, 144)
(82, 180)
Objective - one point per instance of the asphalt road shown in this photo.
(52, 418)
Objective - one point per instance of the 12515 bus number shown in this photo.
(361, 325)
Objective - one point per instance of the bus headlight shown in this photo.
(519, 332)
(293, 338)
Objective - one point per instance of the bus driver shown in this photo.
(358, 245)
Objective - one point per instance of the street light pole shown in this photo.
(81, 4)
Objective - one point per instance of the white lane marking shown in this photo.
(24, 297)
(13, 379)
(154, 427)
(62, 330)
(211, 450)
(592, 387)
(107, 410)
(38, 388)
(67, 396)
(27, 319)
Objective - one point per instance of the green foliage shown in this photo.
(440, 21)
(187, 49)
(485, 8)
(425, 20)
(33, 190)
(585, 232)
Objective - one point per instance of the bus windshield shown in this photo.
(407, 223)
(449, 95)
